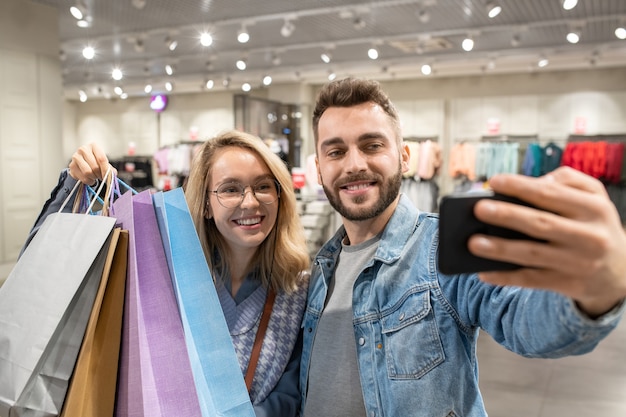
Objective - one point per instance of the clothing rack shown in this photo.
(619, 137)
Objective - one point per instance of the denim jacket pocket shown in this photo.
(411, 338)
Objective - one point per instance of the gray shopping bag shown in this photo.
(45, 304)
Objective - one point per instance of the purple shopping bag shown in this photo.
(155, 373)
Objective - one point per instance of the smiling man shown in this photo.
(385, 332)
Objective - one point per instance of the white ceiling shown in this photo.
(405, 42)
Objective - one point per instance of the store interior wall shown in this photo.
(30, 117)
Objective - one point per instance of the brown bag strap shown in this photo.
(260, 334)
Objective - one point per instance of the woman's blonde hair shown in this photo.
(283, 254)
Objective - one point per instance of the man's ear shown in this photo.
(405, 157)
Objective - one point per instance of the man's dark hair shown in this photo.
(350, 92)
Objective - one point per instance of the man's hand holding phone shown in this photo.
(578, 245)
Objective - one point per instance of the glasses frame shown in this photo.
(245, 190)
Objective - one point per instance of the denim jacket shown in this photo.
(415, 329)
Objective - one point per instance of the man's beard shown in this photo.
(389, 190)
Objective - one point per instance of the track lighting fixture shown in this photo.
(372, 53)
(287, 29)
(267, 80)
(516, 40)
(426, 69)
(89, 52)
(117, 74)
(169, 86)
(209, 84)
(169, 69)
(241, 64)
(493, 9)
(147, 88)
(171, 43)
(573, 36)
(569, 4)
(79, 10)
(542, 62)
(206, 39)
(468, 44)
(359, 23)
(620, 32)
(246, 87)
(423, 15)
(326, 57)
(243, 36)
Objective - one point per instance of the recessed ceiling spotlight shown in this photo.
(372, 53)
(79, 11)
(620, 32)
(267, 80)
(468, 44)
(147, 89)
(543, 62)
(246, 87)
(569, 4)
(89, 52)
(241, 64)
(493, 9)
(426, 69)
(243, 36)
(326, 57)
(573, 36)
(206, 39)
(117, 74)
(210, 84)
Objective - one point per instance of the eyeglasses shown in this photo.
(231, 194)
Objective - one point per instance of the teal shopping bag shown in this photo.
(217, 375)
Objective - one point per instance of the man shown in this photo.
(387, 334)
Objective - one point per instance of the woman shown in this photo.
(243, 205)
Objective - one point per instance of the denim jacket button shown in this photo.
(401, 317)
(361, 341)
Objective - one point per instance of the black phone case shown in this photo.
(457, 223)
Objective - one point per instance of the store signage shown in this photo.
(158, 102)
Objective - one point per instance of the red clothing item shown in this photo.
(615, 159)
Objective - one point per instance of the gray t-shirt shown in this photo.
(334, 387)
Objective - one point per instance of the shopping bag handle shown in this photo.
(108, 176)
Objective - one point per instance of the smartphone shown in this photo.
(457, 223)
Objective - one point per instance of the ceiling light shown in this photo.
(359, 23)
(117, 74)
(569, 4)
(573, 36)
(543, 62)
(267, 80)
(426, 69)
(79, 11)
(287, 29)
(89, 52)
(171, 43)
(243, 36)
(84, 23)
(118, 90)
(138, 4)
(493, 9)
(138, 45)
(423, 15)
(241, 64)
(372, 53)
(276, 60)
(246, 87)
(326, 57)
(226, 82)
(82, 96)
(620, 32)
(169, 86)
(147, 89)
(209, 84)
(331, 76)
(516, 40)
(468, 44)
(206, 39)
(169, 70)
